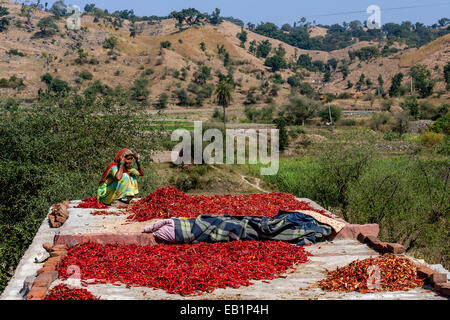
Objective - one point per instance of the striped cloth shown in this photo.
(292, 227)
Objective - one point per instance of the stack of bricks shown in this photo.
(48, 273)
(380, 246)
(438, 280)
(58, 214)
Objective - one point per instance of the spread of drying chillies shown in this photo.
(91, 203)
(62, 292)
(185, 269)
(397, 273)
(169, 202)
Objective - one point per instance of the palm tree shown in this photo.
(224, 96)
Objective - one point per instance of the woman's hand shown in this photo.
(122, 159)
(136, 155)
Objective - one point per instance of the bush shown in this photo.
(442, 125)
(347, 122)
(380, 121)
(86, 75)
(13, 82)
(390, 136)
(49, 160)
(110, 43)
(276, 63)
(165, 44)
(162, 101)
(335, 111)
(431, 138)
(15, 52)
(11, 105)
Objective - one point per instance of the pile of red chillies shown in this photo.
(169, 202)
(91, 203)
(63, 292)
(396, 273)
(185, 269)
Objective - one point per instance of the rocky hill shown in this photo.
(172, 60)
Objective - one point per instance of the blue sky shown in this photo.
(287, 11)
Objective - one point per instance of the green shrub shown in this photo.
(442, 125)
(430, 138)
(335, 112)
(16, 52)
(86, 75)
(390, 136)
(50, 159)
(11, 105)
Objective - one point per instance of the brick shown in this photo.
(361, 237)
(372, 241)
(424, 272)
(37, 293)
(443, 288)
(57, 253)
(395, 248)
(382, 247)
(438, 277)
(351, 231)
(60, 219)
(47, 246)
(59, 247)
(44, 269)
(45, 278)
(53, 261)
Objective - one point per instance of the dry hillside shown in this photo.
(133, 56)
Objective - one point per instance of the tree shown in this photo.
(162, 101)
(333, 63)
(58, 86)
(89, 7)
(189, 16)
(300, 109)
(224, 97)
(59, 9)
(47, 26)
(444, 22)
(412, 104)
(331, 111)
(263, 49)
(110, 43)
(422, 80)
(139, 91)
(252, 47)
(396, 86)
(135, 29)
(367, 53)
(283, 140)
(447, 74)
(242, 36)
(215, 17)
(4, 22)
(327, 75)
(276, 63)
(304, 61)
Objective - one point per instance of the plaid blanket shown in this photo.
(292, 227)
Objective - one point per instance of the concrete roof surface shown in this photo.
(327, 255)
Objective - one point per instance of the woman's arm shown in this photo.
(138, 162)
(121, 165)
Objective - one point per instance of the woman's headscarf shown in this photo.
(125, 152)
